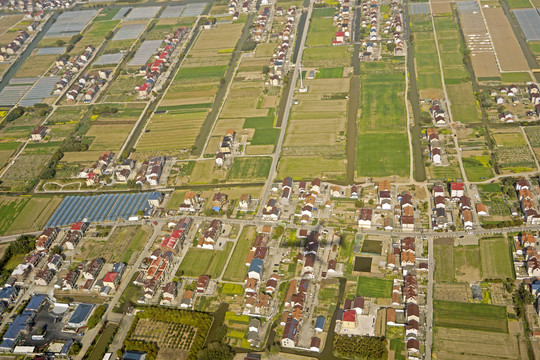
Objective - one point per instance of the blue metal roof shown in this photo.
(81, 314)
(35, 302)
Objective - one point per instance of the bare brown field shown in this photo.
(505, 43)
(452, 292)
(454, 344)
(223, 124)
(441, 7)
(83, 156)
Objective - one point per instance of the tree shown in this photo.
(60, 42)
(216, 351)
(265, 69)
(15, 114)
(390, 46)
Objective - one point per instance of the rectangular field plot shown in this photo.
(41, 89)
(529, 22)
(464, 344)
(147, 49)
(51, 50)
(373, 287)
(70, 23)
(194, 9)
(506, 45)
(143, 13)
(470, 316)
(107, 59)
(496, 259)
(205, 262)
(419, 8)
(250, 169)
(376, 158)
(172, 11)
(121, 13)
(304, 167)
(11, 94)
(34, 214)
(129, 31)
(327, 56)
(321, 31)
(463, 103)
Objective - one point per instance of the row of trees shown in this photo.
(96, 316)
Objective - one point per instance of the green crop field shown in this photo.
(330, 73)
(518, 4)
(204, 262)
(467, 263)
(245, 168)
(427, 65)
(470, 316)
(264, 122)
(301, 167)
(376, 158)
(10, 208)
(519, 77)
(463, 103)
(373, 287)
(34, 215)
(496, 261)
(266, 136)
(321, 32)
(382, 121)
(201, 73)
(444, 262)
(326, 56)
(237, 269)
(322, 12)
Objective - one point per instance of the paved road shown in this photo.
(275, 157)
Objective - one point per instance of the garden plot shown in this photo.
(506, 45)
(469, 316)
(25, 170)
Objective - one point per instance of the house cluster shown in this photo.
(193, 202)
(153, 271)
(437, 113)
(395, 26)
(507, 95)
(434, 145)
(341, 21)
(407, 211)
(260, 24)
(207, 239)
(154, 68)
(440, 219)
(176, 239)
(534, 96)
(14, 47)
(101, 167)
(30, 6)
(526, 246)
(293, 315)
(354, 319)
(526, 201)
(310, 254)
(151, 171)
(67, 68)
(87, 86)
(258, 295)
(224, 154)
(277, 62)
(309, 199)
(124, 169)
(370, 15)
